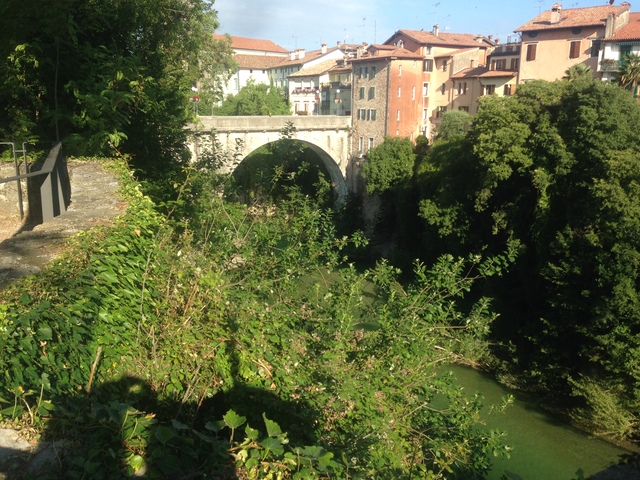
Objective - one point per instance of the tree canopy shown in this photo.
(554, 169)
(103, 75)
(255, 99)
(389, 164)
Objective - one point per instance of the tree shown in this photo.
(555, 169)
(453, 123)
(255, 99)
(629, 73)
(389, 164)
(578, 71)
(105, 75)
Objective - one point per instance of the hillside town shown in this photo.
(401, 88)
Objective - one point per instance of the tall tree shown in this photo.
(102, 75)
(629, 73)
(553, 168)
(255, 99)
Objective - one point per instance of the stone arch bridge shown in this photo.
(327, 135)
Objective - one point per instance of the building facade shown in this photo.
(558, 39)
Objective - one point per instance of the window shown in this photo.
(373, 72)
(361, 114)
(428, 65)
(443, 88)
(489, 89)
(515, 63)
(399, 70)
(360, 144)
(531, 51)
(425, 114)
(427, 50)
(368, 114)
(576, 31)
(624, 51)
(574, 49)
(413, 93)
(595, 47)
(425, 89)
(400, 44)
(363, 72)
(499, 64)
(440, 111)
(399, 92)
(370, 143)
(461, 88)
(398, 115)
(444, 66)
(373, 114)
(464, 109)
(372, 93)
(361, 93)
(507, 90)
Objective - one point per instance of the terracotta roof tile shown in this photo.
(318, 69)
(449, 39)
(243, 43)
(631, 31)
(308, 56)
(261, 62)
(482, 72)
(573, 17)
(395, 52)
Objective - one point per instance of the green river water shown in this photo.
(544, 448)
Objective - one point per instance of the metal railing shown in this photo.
(52, 195)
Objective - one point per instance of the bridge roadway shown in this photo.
(329, 136)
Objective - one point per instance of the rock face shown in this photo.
(25, 250)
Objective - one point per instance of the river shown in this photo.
(544, 448)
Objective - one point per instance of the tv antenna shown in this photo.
(364, 28)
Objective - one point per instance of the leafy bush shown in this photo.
(152, 334)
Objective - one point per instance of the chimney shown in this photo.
(436, 30)
(608, 26)
(478, 38)
(292, 55)
(472, 64)
(324, 48)
(301, 53)
(555, 13)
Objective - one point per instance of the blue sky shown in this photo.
(305, 24)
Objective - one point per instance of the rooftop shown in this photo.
(459, 40)
(483, 72)
(243, 43)
(258, 62)
(630, 31)
(574, 17)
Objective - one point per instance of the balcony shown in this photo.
(304, 91)
(609, 65)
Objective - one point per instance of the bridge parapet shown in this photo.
(275, 123)
(327, 135)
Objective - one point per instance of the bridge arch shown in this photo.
(326, 135)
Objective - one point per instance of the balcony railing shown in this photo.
(609, 65)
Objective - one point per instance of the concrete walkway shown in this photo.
(94, 201)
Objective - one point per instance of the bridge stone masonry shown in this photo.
(327, 135)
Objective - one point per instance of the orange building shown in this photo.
(559, 38)
(386, 96)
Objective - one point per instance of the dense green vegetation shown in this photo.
(159, 346)
(255, 99)
(108, 75)
(552, 171)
